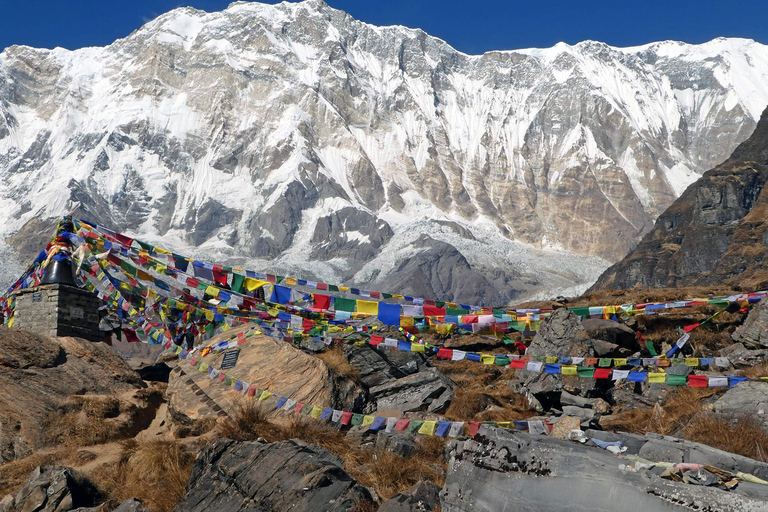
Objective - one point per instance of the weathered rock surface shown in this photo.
(231, 476)
(429, 390)
(131, 505)
(400, 381)
(266, 363)
(715, 232)
(503, 470)
(748, 398)
(556, 336)
(422, 497)
(40, 375)
(52, 489)
(753, 333)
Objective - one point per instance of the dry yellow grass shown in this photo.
(155, 473)
(336, 361)
(743, 435)
(679, 408)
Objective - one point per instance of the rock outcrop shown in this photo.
(503, 470)
(231, 476)
(753, 333)
(400, 381)
(422, 497)
(264, 362)
(715, 232)
(53, 489)
(44, 377)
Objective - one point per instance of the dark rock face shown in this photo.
(231, 476)
(753, 333)
(422, 497)
(716, 231)
(402, 381)
(502, 470)
(52, 489)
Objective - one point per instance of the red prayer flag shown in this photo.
(445, 353)
(375, 340)
(402, 424)
(474, 426)
(689, 328)
(433, 311)
(322, 301)
(346, 416)
(251, 391)
(322, 286)
(518, 364)
(192, 282)
(299, 407)
(130, 336)
(222, 376)
(698, 381)
(219, 277)
(602, 373)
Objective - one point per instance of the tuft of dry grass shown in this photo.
(389, 474)
(248, 423)
(76, 428)
(743, 435)
(679, 408)
(491, 404)
(154, 472)
(755, 372)
(471, 375)
(338, 364)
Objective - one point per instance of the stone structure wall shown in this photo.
(58, 310)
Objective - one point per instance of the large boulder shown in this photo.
(264, 362)
(753, 333)
(750, 398)
(41, 377)
(52, 489)
(504, 470)
(557, 336)
(231, 476)
(400, 381)
(429, 390)
(422, 497)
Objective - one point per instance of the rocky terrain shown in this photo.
(716, 232)
(82, 431)
(291, 136)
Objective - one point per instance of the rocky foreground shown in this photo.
(81, 430)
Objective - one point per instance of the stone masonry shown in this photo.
(58, 310)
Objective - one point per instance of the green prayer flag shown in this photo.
(650, 347)
(237, 283)
(414, 426)
(344, 304)
(439, 303)
(586, 371)
(502, 361)
(456, 311)
(677, 380)
(306, 409)
(580, 311)
(128, 268)
(357, 419)
(605, 362)
(333, 288)
(145, 245)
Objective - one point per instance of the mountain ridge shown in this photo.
(251, 133)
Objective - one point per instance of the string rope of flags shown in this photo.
(270, 317)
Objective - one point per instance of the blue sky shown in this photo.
(470, 26)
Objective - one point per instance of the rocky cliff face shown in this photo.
(278, 135)
(715, 232)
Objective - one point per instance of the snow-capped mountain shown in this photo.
(294, 138)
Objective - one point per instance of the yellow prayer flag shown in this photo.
(290, 280)
(551, 359)
(209, 315)
(487, 358)
(343, 288)
(252, 284)
(406, 321)
(212, 291)
(416, 347)
(11, 321)
(620, 361)
(264, 396)
(569, 370)
(316, 411)
(225, 327)
(367, 420)
(204, 367)
(691, 361)
(143, 276)
(504, 424)
(657, 378)
(160, 268)
(397, 297)
(162, 251)
(368, 307)
(428, 428)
